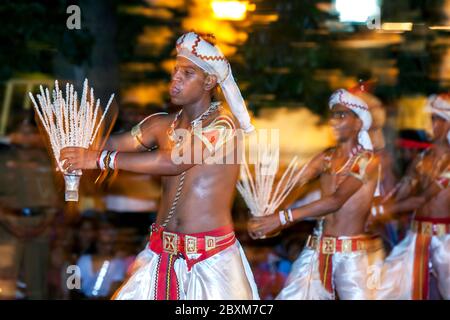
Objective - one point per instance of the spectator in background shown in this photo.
(265, 264)
(86, 236)
(57, 274)
(28, 205)
(128, 245)
(62, 243)
(102, 273)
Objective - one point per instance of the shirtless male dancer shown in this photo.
(335, 262)
(192, 252)
(406, 270)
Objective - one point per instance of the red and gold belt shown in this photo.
(331, 245)
(205, 244)
(431, 226)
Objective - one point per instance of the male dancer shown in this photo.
(406, 270)
(338, 260)
(193, 252)
(382, 211)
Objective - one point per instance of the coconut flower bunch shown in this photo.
(69, 123)
(258, 188)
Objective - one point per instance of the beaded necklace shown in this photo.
(178, 139)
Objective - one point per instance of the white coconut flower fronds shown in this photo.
(259, 192)
(67, 122)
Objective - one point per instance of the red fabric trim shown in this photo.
(194, 51)
(167, 281)
(339, 242)
(218, 232)
(326, 271)
(411, 144)
(433, 220)
(421, 271)
(443, 182)
(156, 243)
(167, 287)
(349, 104)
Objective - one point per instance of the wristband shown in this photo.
(282, 217)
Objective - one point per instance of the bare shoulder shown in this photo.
(155, 120)
(227, 118)
(316, 165)
(365, 166)
(150, 130)
(327, 153)
(322, 157)
(374, 159)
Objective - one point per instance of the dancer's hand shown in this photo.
(75, 158)
(261, 226)
(411, 204)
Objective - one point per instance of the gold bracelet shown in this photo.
(107, 160)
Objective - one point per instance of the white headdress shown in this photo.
(440, 105)
(209, 58)
(359, 107)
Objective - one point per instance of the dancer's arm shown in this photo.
(158, 162)
(406, 199)
(142, 136)
(330, 203)
(410, 202)
(440, 183)
(361, 172)
(393, 209)
(312, 170)
(170, 162)
(326, 205)
(166, 162)
(409, 181)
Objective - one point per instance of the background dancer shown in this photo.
(337, 261)
(406, 270)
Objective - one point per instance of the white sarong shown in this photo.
(224, 276)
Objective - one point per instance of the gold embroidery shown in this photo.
(440, 229)
(216, 134)
(359, 167)
(190, 244)
(170, 242)
(328, 245)
(346, 245)
(360, 245)
(427, 228)
(210, 243)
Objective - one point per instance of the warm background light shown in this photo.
(230, 10)
(442, 28)
(357, 10)
(397, 26)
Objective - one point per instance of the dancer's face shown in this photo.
(440, 127)
(189, 83)
(345, 123)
